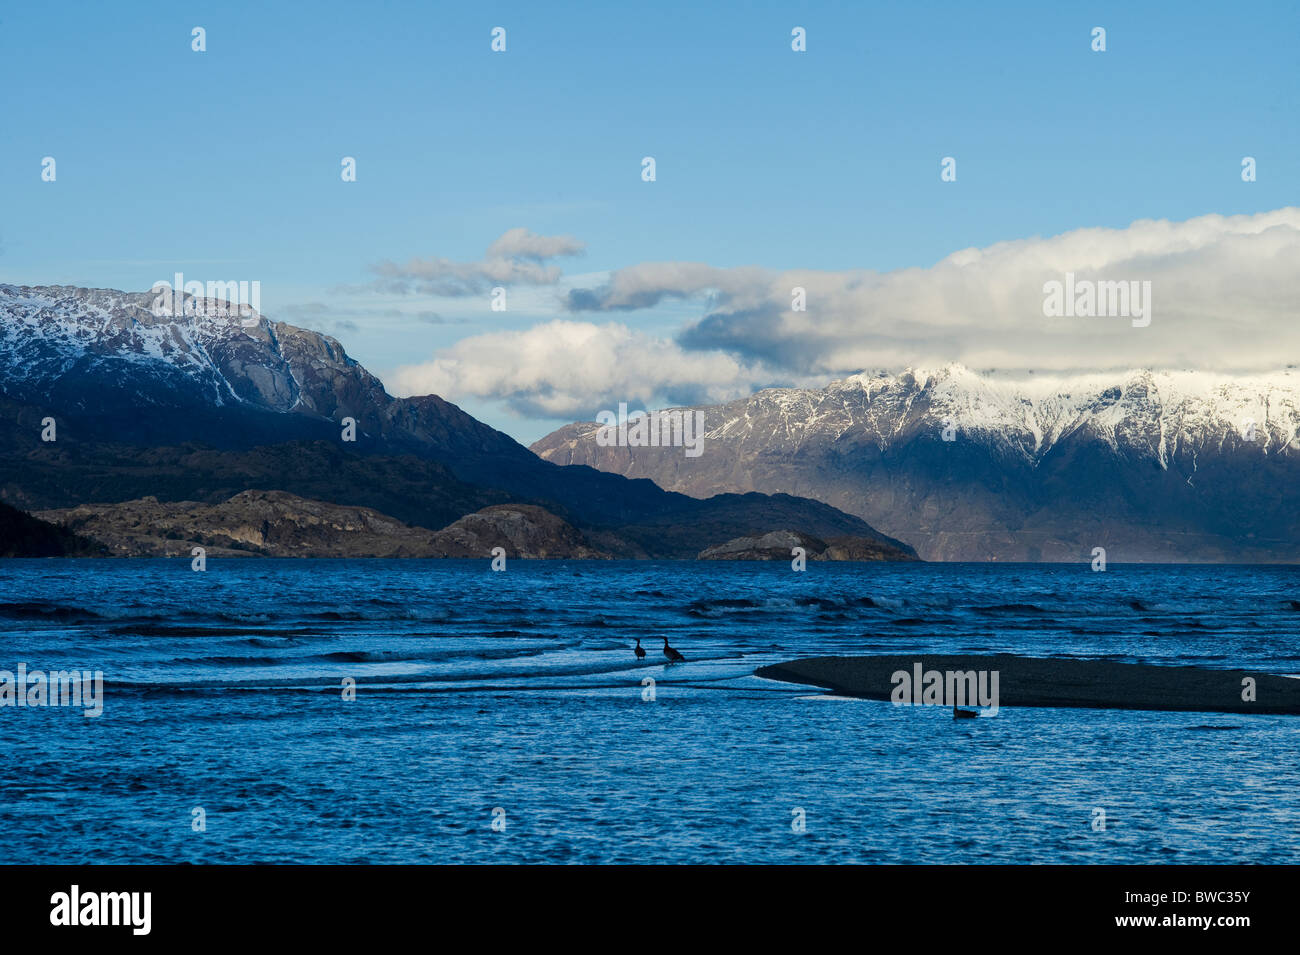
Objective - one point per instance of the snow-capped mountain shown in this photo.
(211, 375)
(75, 338)
(1143, 413)
(1153, 465)
(201, 404)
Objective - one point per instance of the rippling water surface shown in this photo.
(519, 691)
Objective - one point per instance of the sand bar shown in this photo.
(1037, 681)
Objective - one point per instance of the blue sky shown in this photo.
(225, 164)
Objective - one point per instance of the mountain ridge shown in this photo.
(197, 407)
(971, 467)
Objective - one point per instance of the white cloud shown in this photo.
(518, 257)
(574, 369)
(1225, 295)
(523, 244)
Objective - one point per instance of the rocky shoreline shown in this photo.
(279, 524)
(270, 523)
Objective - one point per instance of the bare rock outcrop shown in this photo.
(279, 524)
(779, 545)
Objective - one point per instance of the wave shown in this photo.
(273, 644)
(229, 661)
(367, 656)
(40, 610)
(394, 682)
(345, 656)
(193, 630)
(714, 606)
(724, 603)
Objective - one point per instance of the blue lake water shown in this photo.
(519, 691)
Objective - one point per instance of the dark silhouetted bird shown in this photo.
(640, 653)
(672, 655)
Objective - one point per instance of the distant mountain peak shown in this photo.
(900, 449)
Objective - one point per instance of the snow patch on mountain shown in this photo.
(1151, 413)
(52, 336)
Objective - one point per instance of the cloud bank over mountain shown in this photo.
(561, 367)
(1224, 296)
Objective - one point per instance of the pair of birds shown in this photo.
(672, 655)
